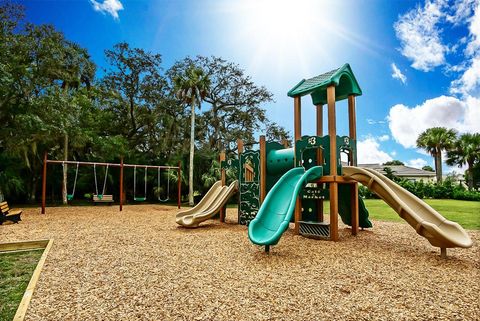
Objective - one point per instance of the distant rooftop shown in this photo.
(343, 78)
(400, 170)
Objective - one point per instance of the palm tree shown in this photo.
(191, 88)
(466, 150)
(434, 141)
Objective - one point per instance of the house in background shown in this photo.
(409, 173)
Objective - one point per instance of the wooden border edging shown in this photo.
(28, 245)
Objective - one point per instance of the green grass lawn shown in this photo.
(466, 213)
(16, 270)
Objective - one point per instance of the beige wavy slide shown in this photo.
(425, 220)
(216, 197)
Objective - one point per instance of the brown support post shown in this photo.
(223, 179)
(179, 185)
(352, 125)
(297, 121)
(240, 151)
(297, 117)
(263, 168)
(44, 182)
(239, 146)
(354, 202)
(320, 157)
(121, 184)
(332, 132)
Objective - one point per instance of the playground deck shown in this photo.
(139, 265)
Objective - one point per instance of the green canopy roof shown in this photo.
(343, 79)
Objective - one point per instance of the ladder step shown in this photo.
(315, 229)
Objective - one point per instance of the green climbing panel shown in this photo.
(249, 190)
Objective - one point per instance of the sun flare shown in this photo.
(281, 32)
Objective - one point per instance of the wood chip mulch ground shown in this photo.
(139, 265)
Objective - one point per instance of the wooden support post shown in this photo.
(354, 202)
(297, 122)
(240, 151)
(44, 182)
(121, 184)
(263, 168)
(223, 179)
(297, 117)
(443, 252)
(239, 146)
(352, 126)
(319, 157)
(179, 185)
(332, 132)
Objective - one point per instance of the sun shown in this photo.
(280, 33)
(279, 21)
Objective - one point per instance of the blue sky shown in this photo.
(418, 62)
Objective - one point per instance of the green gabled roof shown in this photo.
(343, 78)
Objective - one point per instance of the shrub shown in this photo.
(462, 194)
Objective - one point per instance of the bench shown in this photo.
(7, 214)
(102, 199)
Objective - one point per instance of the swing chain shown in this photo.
(168, 186)
(105, 180)
(75, 181)
(95, 175)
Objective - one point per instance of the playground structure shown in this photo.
(102, 197)
(280, 185)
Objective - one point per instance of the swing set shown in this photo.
(159, 175)
(102, 197)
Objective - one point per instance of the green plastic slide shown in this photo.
(277, 208)
(345, 207)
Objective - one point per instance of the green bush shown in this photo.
(465, 195)
(446, 190)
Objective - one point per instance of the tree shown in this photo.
(191, 88)
(235, 101)
(428, 168)
(390, 173)
(435, 140)
(394, 163)
(41, 72)
(465, 150)
(134, 86)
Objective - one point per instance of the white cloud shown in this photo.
(420, 36)
(474, 29)
(422, 152)
(374, 122)
(417, 163)
(469, 82)
(112, 7)
(393, 153)
(369, 152)
(462, 9)
(397, 74)
(407, 123)
(383, 138)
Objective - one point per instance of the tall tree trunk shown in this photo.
(65, 170)
(470, 175)
(192, 150)
(438, 165)
(132, 117)
(33, 186)
(33, 190)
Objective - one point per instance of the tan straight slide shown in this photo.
(216, 197)
(425, 220)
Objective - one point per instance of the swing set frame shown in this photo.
(122, 165)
